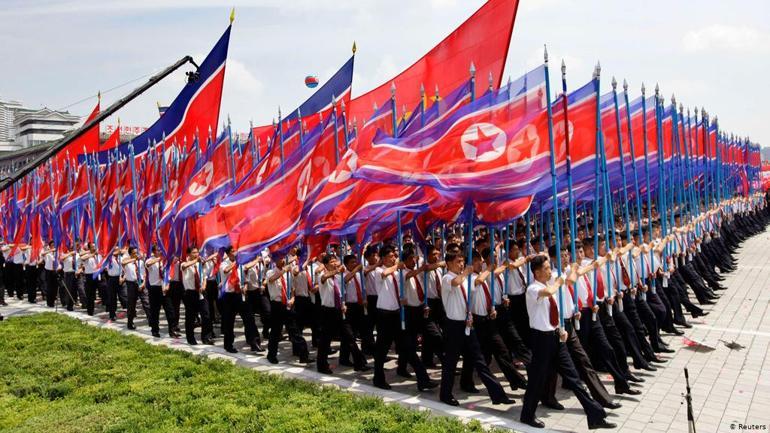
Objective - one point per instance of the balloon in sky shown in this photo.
(311, 81)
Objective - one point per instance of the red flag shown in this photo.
(482, 39)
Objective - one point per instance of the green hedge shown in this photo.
(58, 375)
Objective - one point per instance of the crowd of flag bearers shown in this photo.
(473, 296)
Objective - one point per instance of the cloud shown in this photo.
(726, 38)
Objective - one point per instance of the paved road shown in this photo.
(729, 387)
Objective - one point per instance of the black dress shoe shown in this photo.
(657, 360)
(427, 386)
(272, 360)
(192, 342)
(307, 360)
(470, 389)
(555, 405)
(674, 331)
(346, 363)
(131, 326)
(208, 341)
(629, 391)
(325, 370)
(666, 349)
(362, 368)
(156, 334)
(256, 347)
(382, 385)
(612, 405)
(504, 400)
(534, 422)
(601, 424)
(635, 379)
(231, 349)
(174, 334)
(404, 373)
(519, 385)
(450, 401)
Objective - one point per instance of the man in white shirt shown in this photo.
(133, 266)
(389, 323)
(549, 350)
(460, 338)
(302, 286)
(194, 302)
(256, 298)
(282, 313)
(432, 334)
(114, 271)
(153, 268)
(356, 314)
(175, 290)
(516, 286)
(51, 280)
(68, 288)
(333, 308)
(211, 292)
(372, 258)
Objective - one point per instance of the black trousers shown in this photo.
(333, 324)
(280, 317)
(520, 317)
(432, 334)
(32, 276)
(456, 343)
(176, 293)
(388, 332)
(629, 310)
(17, 280)
(354, 319)
(51, 287)
(253, 302)
(67, 290)
(157, 301)
(193, 307)
(583, 366)
(111, 296)
(305, 316)
(614, 337)
(136, 294)
(90, 284)
(371, 320)
(549, 353)
(231, 305)
(212, 298)
(511, 336)
(602, 354)
(265, 308)
(493, 345)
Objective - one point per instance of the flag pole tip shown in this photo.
(354, 47)
(642, 88)
(232, 15)
(625, 85)
(545, 53)
(614, 83)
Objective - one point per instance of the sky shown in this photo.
(60, 53)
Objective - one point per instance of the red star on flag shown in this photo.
(483, 142)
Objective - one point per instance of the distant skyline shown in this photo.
(56, 52)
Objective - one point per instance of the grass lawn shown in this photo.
(58, 375)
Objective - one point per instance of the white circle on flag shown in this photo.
(523, 148)
(483, 142)
(196, 188)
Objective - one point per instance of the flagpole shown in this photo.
(623, 180)
(472, 71)
(653, 280)
(570, 197)
(554, 188)
(638, 200)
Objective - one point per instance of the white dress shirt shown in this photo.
(454, 297)
(388, 294)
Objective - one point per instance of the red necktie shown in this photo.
(589, 290)
(197, 278)
(487, 295)
(420, 293)
(599, 284)
(284, 300)
(395, 285)
(624, 274)
(438, 283)
(553, 312)
(309, 280)
(572, 295)
(358, 291)
(337, 294)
